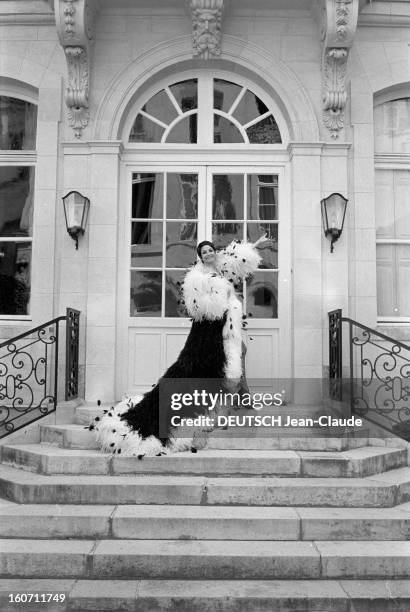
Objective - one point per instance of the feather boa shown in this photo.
(205, 294)
(237, 261)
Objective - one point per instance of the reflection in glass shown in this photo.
(403, 281)
(262, 295)
(145, 293)
(182, 196)
(401, 203)
(225, 131)
(393, 280)
(262, 197)
(186, 94)
(161, 107)
(146, 244)
(185, 131)
(224, 233)
(265, 131)
(392, 201)
(145, 130)
(173, 294)
(268, 252)
(18, 123)
(249, 108)
(15, 278)
(181, 252)
(384, 199)
(227, 196)
(386, 280)
(225, 94)
(16, 200)
(147, 195)
(392, 127)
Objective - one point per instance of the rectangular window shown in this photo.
(16, 223)
(18, 123)
(163, 241)
(393, 242)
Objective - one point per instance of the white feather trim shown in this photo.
(238, 260)
(188, 438)
(233, 364)
(205, 294)
(179, 445)
(115, 436)
(232, 339)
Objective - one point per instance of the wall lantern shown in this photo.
(333, 216)
(76, 207)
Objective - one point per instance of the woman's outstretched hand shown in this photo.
(263, 241)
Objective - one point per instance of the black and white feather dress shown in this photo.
(212, 351)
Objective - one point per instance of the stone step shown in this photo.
(209, 596)
(205, 559)
(68, 436)
(382, 490)
(359, 462)
(77, 437)
(203, 522)
(218, 439)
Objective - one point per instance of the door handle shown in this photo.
(250, 338)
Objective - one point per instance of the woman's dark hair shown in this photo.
(202, 244)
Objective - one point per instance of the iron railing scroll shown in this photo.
(29, 372)
(378, 373)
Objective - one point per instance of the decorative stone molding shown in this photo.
(206, 27)
(75, 27)
(338, 28)
(77, 89)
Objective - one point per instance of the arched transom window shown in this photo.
(191, 110)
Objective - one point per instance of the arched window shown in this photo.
(18, 122)
(392, 189)
(173, 114)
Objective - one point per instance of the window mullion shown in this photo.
(205, 110)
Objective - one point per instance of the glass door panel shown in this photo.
(262, 295)
(227, 197)
(165, 230)
(268, 253)
(164, 235)
(246, 206)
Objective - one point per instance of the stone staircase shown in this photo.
(313, 523)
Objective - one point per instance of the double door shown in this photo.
(171, 209)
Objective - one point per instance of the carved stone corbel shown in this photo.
(338, 28)
(206, 27)
(75, 27)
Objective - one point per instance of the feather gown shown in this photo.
(141, 426)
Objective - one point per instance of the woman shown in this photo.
(212, 350)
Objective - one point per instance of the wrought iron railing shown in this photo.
(377, 380)
(29, 372)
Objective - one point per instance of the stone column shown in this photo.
(335, 266)
(307, 266)
(88, 277)
(102, 272)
